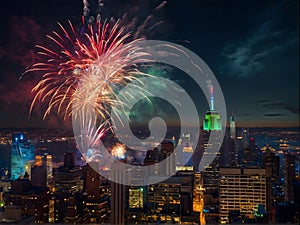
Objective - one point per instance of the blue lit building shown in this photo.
(22, 155)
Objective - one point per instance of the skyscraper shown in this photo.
(212, 124)
(97, 194)
(170, 201)
(22, 156)
(242, 190)
(211, 159)
(118, 194)
(232, 121)
(67, 185)
(41, 172)
(289, 178)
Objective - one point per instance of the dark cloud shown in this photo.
(270, 36)
(245, 114)
(274, 114)
(262, 101)
(281, 105)
(142, 18)
(16, 55)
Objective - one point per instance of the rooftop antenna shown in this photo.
(211, 92)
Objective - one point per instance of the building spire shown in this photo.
(211, 92)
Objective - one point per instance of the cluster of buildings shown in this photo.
(242, 184)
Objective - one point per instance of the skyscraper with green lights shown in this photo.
(212, 120)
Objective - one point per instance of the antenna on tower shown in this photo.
(211, 92)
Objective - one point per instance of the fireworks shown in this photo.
(82, 75)
(85, 70)
(118, 151)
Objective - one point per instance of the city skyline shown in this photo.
(251, 47)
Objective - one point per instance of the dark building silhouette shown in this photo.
(271, 162)
(32, 201)
(67, 181)
(96, 196)
(289, 178)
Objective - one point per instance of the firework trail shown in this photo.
(86, 9)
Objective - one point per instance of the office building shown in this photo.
(242, 190)
(32, 201)
(289, 178)
(68, 184)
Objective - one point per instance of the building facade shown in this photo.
(241, 190)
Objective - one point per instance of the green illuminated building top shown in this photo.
(212, 121)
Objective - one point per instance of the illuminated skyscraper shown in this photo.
(211, 140)
(41, 172)
(96, 196)
(212, 119)
(170, 201)
(184, 159)
(22, 156)
(211, 123)
(242, 190)
(232, 121)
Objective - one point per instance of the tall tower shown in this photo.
(118, 194)
(232, 121)
(211, 142)
(212, 120)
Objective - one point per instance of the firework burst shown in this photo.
(82, 75)
(85, 71)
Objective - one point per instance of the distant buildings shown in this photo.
(243, 184)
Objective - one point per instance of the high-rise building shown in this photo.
(22, 156)
(118, 194)
(245, 138)
(211, 157)
(289, 178)
(212, 124)
(171, 200)
(228, 156)
(198, 200)
(33, 201)
(272, 164)
(67, 187)
(167, 160)
(96, 196)
(242, 190)
(232, 125)
(41, 172)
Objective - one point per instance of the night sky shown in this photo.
(252, 46)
